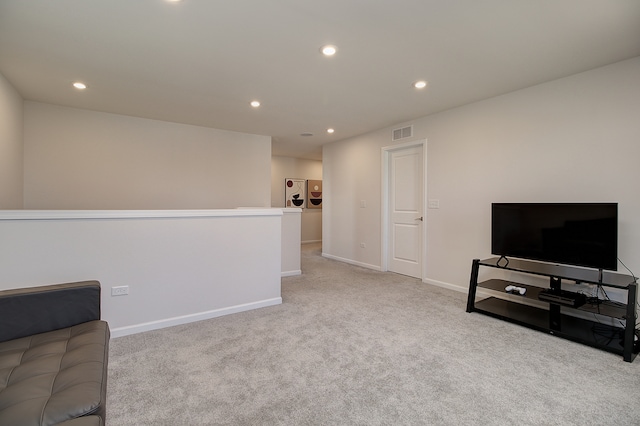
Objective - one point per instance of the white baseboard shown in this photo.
(351, 262)
(185, 319)
(458, 288)
(291, 273)
(443, 284)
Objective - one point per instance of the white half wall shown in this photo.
(574, 139)
(179, 266)
(291, 228)
(81, 159)
(290, 241)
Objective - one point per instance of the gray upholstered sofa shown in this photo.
(53, 355)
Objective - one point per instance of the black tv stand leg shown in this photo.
(630, 327)
(473, 285)
(554, 309)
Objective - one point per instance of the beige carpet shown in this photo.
(351, 346)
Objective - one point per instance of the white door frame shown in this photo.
(386, 157)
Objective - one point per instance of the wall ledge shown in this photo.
(131, 214)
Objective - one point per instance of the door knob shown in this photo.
(419, 218)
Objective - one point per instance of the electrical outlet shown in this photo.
(363, 245)
(122, 290)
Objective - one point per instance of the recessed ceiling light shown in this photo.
(421, 84)
(255, 104)
(328, 50)
(330, 130)
(79, 85)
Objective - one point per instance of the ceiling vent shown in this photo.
(405, 132)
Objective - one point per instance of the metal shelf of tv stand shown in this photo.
(553, 321)
(605, 309)
(591, 276)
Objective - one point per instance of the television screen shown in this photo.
(581, 234)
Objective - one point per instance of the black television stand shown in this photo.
(557, 318)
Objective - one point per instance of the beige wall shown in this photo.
(287, 167)
(11, 121)
(573, 139)
(80, 159)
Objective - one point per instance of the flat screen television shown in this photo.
(581, 234)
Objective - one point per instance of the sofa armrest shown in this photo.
(34, 310)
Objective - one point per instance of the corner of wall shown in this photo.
(11, 147)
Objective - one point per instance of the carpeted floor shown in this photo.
(351, 346)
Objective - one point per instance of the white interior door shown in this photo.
(405, 200)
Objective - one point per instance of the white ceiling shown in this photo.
(201, 62)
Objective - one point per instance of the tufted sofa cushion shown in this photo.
(55, 376)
